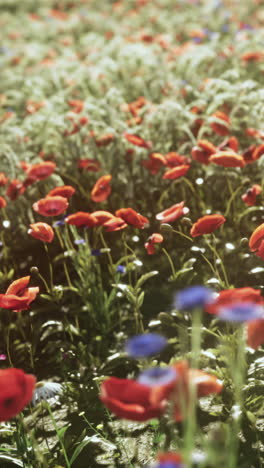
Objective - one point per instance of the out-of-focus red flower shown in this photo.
(18, 296)
(203, 151)
(137, 140)
(176, 172)
(255, 333)
(3, 179)
(91, 165)
(101, 189)
(102, 216)
(155, 238)
(179, 392)
(207, 224)
(251, 194)
(228, 297)
(248, 154)
(2, 202)
(229, 143)
(104, 140)
(115, 224)
(16, 392)
(82, 219)
(14, 189)
(255, 133)
(34, 106)
(258, 152)
(129, 399)
(252, 56)
(219, 127)
(77, 105)
(154, 163)
(174, 159)
(132, 218)
(169, 458)
(227, 159)
(66, 191)
(51, 206)
(174, 212)
(41, 170)
(41, 231)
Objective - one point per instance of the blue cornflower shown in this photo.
(141, 346)
(79, 241)
(59, 223)
(241, 312)
(157, 376)
(96, 252)
(192, 297)
(121, 269)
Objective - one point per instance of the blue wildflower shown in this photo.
(79, 241)
(141, 346)
(96, 252)
(241, 312)
(121, 269)
(192, 297)
(157, 376)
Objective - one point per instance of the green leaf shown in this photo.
(145, 277)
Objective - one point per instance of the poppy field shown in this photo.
(131, 234)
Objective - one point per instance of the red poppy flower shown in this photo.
(176, 172)
(137, 140)
(14, 189)
(115, 224)
(169, 458)
(258, 152)
(129, 399)
(154, 163)
(41, 231)
(77, 105)
(66, 191)
(255, 333)
(252, 56)
(82, 219)
(132, 218)
(18, 296)
(227, 159)
(104, 140)
(51, 206)
(101, 189)
(228, 297)
(203, 151)
(16, 392)
(89, 165)
(41, 170)
(174, 212)
(207, 224)
(174, 159)
(3, 179)
(248, 154)
(251, 194)
(256, 238)
(229, 143)
(2, 202)
(179, 391)
(155, 238)
(102, 216)
(220, 123)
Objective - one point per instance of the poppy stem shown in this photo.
(174, 274)
(50, 267)
(108, 251)
(64, 261)
(214, 250)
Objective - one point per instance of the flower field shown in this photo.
(132, 234)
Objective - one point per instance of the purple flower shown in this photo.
(157, 376)
(192, 297)
(2, 357)
(96, 252)
(141, 346)
(241, 312)
(121, 269)
(79, 241)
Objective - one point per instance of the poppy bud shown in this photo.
(244, 242)
(166, 227)
(34, 270)
(186, 222)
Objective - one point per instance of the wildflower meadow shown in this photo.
(131, 233)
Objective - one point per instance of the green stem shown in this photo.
(174, 275)
(58, 435)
